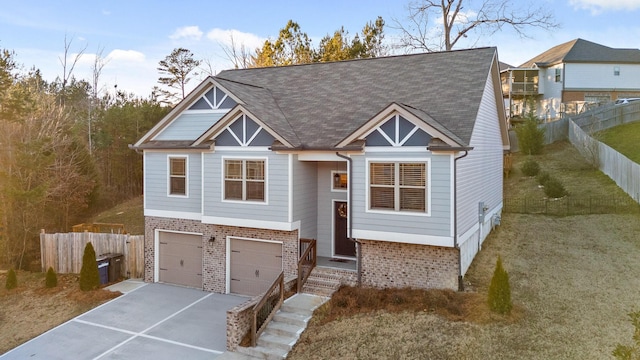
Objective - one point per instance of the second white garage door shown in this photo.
(254, 265)
(180, 259)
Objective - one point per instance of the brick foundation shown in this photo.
(214, 254)
(397, 265)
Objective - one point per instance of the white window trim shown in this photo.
(333, 172)
(186, 176)
(426, 161)
(266, 180)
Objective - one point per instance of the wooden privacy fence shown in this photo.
(63, 251)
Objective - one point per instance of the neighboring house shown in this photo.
(402, 154)
(569, 77)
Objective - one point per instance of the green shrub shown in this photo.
(530, 137)
(553, 188)
(625, 352)
(89, 275)
(12, 280)
(543, 177)
(530, 167)
(51, 280)
(500, 290)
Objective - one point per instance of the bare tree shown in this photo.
(67, 65)
(99, 63)
(238, 54)
(422, 30)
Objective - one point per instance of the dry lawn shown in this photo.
(130, 213)
(31, 309)
(573, 281)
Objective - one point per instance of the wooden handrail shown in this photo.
(257, 329)
(308, 258)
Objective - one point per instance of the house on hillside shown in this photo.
(393, 165)
(569, 77)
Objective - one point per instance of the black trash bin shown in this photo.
(103, 269)
(115, 266)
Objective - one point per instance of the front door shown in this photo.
(341, 244)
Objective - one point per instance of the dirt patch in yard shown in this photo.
(31, 309)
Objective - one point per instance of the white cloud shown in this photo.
(187, 32)
(223, 37)
(126, 56)
(598, 6)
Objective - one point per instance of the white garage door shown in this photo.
(180, 258)
(254, 266)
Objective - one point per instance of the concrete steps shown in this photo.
(284, 330)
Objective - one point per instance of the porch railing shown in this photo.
(267, 307)
(307, 261)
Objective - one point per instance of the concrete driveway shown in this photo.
(153, 321)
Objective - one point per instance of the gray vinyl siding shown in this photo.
(437, 224)
(277, 174)
(480, 173)
(189, 126)
(156, 183)
(325, 204)
(304, 197)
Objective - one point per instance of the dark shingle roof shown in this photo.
(583, 51)
(318, 105)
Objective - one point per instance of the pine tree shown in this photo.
(499, 290)
(51, 279)
(12, 280)
(89, 275)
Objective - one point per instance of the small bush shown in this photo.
(543, 177)
(553, 188)
(630, 352)
(51, 280)
(89, 275)
(530, 167)
(12, 280)
(500, 290)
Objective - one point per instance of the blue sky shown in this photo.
(136, 34)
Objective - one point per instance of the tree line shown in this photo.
(64, 145)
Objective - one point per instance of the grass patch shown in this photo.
(31, 309)
(563, 162)
(130, 213)
(624, 138)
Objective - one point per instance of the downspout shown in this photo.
(455, 218)
(349, 219)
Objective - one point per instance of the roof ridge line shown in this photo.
(239, 82)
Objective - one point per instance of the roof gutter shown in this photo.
(349, 219)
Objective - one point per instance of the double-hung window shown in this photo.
(178, 176)
(398, 186)
(244, 180)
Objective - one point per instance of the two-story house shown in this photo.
(570, 76)
(393, 165)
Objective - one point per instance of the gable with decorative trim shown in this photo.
(243, 131)
(397, 131)
(200, 116)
